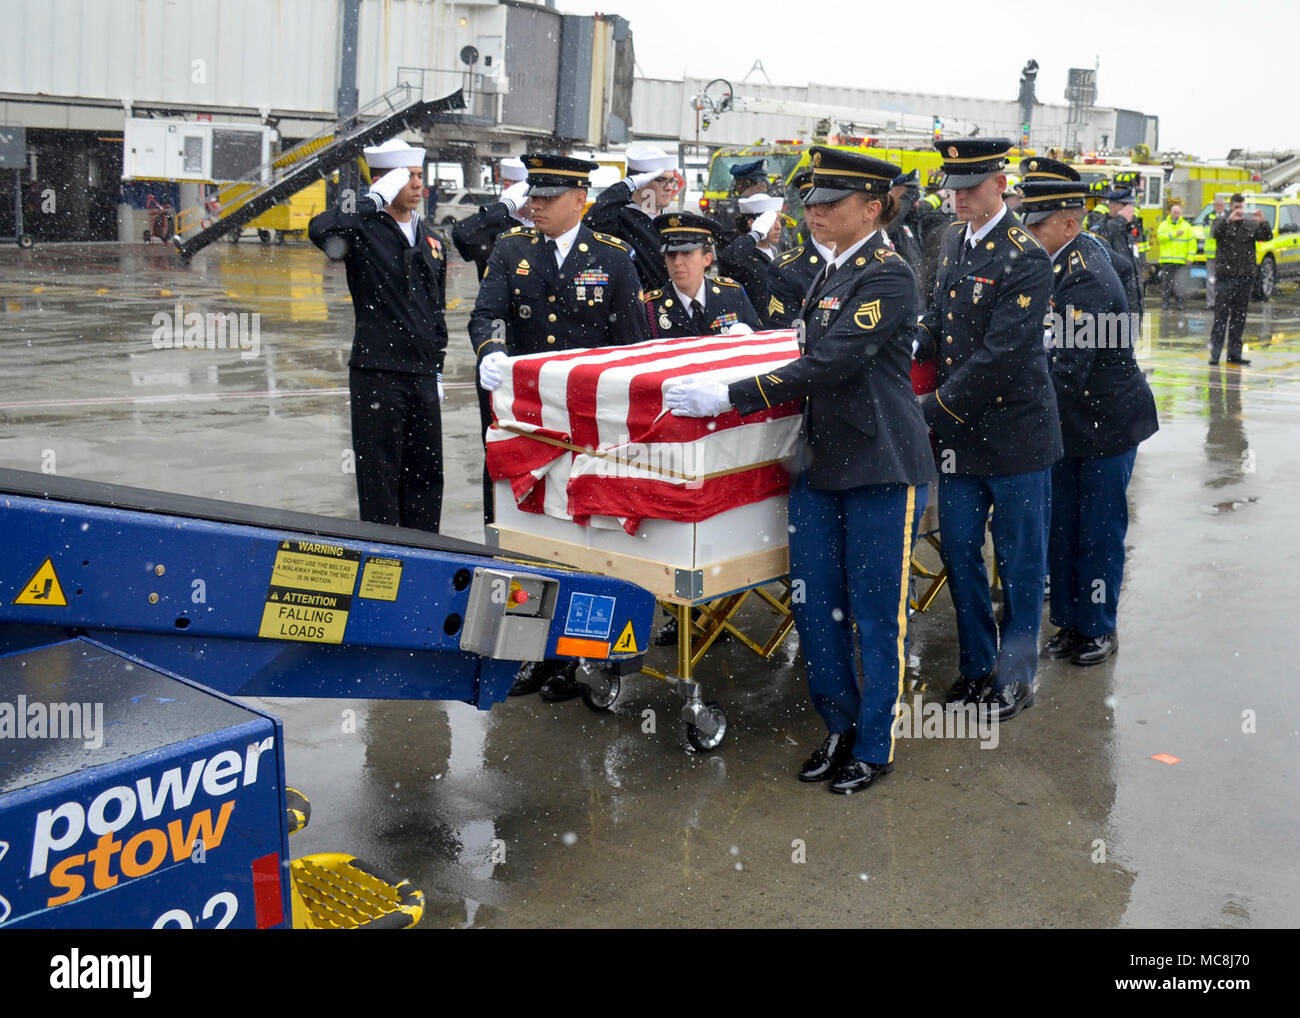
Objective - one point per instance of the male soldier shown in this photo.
(1106, 409)
(553, 287)
(397, 278)
(474, 235)
(748, 257)
(936, 215)
(1121, 257)
(627, 209)
(904, 230)
(792, 273)
(692, 305)
(995, 424)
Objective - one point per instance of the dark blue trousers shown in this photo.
(1021, 505)
(1086, 548)
(850, 560)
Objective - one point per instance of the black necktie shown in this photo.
(830, 271)
(697, 318)
(551, 250)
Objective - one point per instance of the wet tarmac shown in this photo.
(540, 815)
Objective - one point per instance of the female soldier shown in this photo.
(858, 487)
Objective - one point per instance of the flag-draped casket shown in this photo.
(584, 454)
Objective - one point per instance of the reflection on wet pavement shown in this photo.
(552, 815)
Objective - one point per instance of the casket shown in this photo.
(590, 470)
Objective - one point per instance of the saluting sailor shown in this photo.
(1106, 410)
(627, 209)
(859, 485)
(749, 256)
(555, 286)
(995, 423)
(693, 305)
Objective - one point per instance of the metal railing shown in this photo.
(482, 92)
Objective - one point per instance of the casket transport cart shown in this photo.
(591, 472)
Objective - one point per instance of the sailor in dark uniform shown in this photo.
(1106, 409)
(748, 178)
(555, 286)
(995, 422)
(858, 488)
(627, 209)
(749, 256)
(691, 304)
(905, 228)
(474, 235)
(1122, 230)
(934, 218)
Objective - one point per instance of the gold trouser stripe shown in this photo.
(902, 610)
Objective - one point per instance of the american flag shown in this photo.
(583, 435)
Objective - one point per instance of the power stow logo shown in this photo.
(79, 847)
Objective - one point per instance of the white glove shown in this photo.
(737, 329)
(388, 186)
(492, 369)
(693, 397)
(763, 225)
(515, 196)
(639, 180)
(442, 393)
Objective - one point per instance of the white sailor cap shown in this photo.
(513, 169)
(392, 154)
(644, 158)
(757, 204)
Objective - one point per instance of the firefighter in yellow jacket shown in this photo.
(1177, 244)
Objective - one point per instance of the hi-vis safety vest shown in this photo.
(1176, 242)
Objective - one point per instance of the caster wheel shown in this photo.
(26, 240)
(709, 735)
(264, 236)
(233, 236)
(603, 699)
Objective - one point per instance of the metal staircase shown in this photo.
(399, 109)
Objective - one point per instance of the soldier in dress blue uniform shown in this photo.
(1106, 410)
(792, 272)
(554, 286)
(995, 422)
(859, 486)
(692, 305)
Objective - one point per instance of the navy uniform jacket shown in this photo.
(475, 235)
(1106, 405)
(592, 300)
(861, 424)
(788, 279)
(725, 304)
(742, 261)
(994, 412)
(398, 289)
(1116, 232)
(934, 224)
(610, 214)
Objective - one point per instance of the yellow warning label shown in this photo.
(43, 588)
(303, 615)
(626, 643)
(381, 578)
(311, 566)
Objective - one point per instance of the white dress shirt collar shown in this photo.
(686, 301)
(564, 243)
(840, 259)
(974, 238)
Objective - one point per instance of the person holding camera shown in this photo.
(1235, 236)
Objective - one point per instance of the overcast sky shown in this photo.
(1212, 88)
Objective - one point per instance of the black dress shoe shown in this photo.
(1093, 650)
(1238, 360)
(564, 684)
(856, 775)
(1062, 645)
(966, 690)
(832, 754)
(1006, 702)
(667, 636)
(531, 677)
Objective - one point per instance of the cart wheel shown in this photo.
(26, 240)
(233, 235)
(603, 699)
(264, 236)
(714, 719)
(279, 236)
